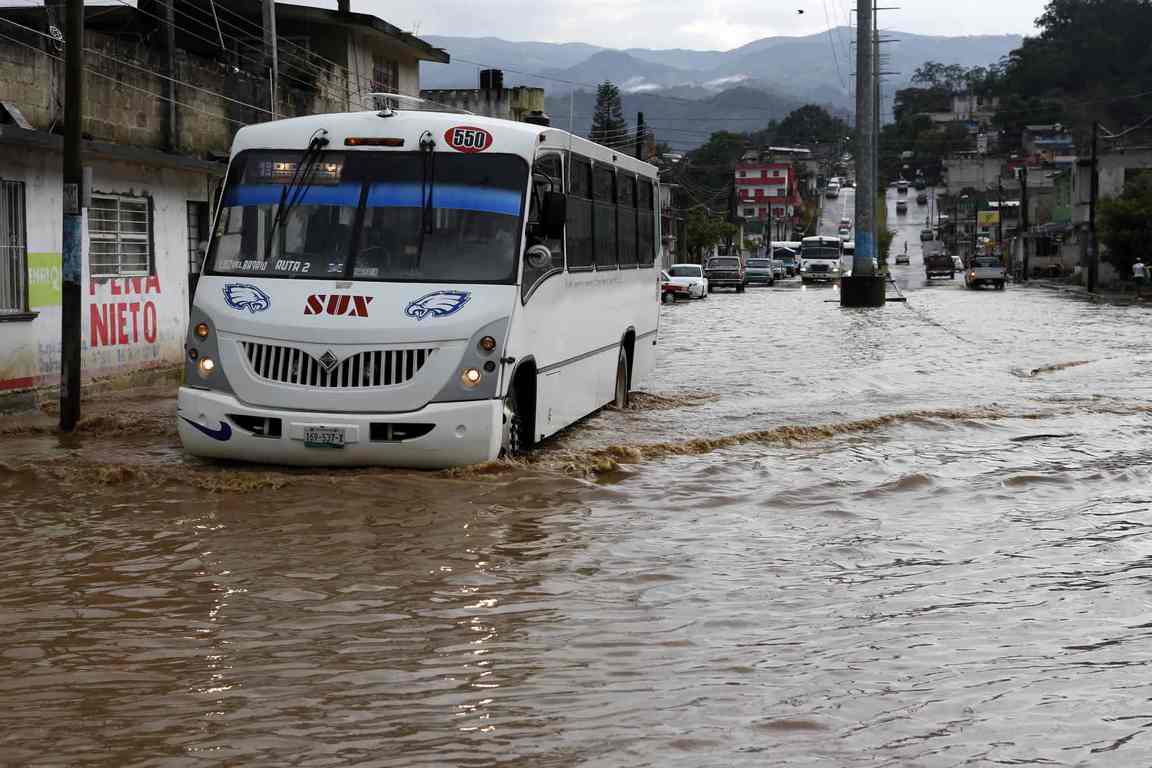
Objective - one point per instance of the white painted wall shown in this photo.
(139, 322)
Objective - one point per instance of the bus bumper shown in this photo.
(216, 425)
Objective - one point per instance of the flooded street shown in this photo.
(918, 536)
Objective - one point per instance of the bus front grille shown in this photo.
(374, 368)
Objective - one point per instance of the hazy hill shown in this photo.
(737, 89)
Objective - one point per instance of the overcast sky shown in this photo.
(685, 23)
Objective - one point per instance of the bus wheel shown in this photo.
(620, 400)
(513, 443)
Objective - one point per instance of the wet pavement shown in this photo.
(918, 536)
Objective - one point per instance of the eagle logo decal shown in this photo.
(437, 304)
(245, 296)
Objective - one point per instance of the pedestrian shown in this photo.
(1139, 272)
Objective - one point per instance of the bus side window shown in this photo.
(579, 226)
(645, 223)
(547, 176)
(626, 218)
(604, 221)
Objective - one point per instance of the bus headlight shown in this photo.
(206, 367)
(470, 377)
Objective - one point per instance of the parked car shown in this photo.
(957, 263)
(939, 265)
(927, 235)
(688, 281)
(845, 233)
(759, 272)
(986, 270)
(922, 198)
(902, 257)
(832, 191)
(901, 206)
(920, 183)
(902, 187)
(849, 184)
(846, 222)
(725, 272)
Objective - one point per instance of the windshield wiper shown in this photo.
(293, 191)
(427, 190)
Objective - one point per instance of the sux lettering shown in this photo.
(337, 304)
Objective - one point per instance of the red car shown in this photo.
(670, 291)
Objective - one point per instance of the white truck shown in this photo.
(986, 270)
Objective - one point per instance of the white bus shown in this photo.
(418, 289)
(820, 258)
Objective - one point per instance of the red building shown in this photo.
(767, 191)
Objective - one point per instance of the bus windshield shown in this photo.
(819, 252)
(399, 216)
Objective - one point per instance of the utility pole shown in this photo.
(272, 57)
(169, 87)
(865, 288)
(1024, 226)
(1000, 214)
(1094, 192)
(639, 135)
(71, 304)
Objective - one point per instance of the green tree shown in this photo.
(1125, 224)
(1086, 54)
(608, 124)
(705, 231)
(811, 124)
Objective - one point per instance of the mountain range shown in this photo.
(739, 89)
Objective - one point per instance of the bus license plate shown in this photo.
(323, 437)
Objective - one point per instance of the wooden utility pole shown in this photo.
(71, 303)
(1094, 192)
(272, 57)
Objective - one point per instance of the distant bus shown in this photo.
(820, 258)
(417, 289)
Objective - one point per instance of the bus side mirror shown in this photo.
(555, 214)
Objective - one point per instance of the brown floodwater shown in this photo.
(918, 536)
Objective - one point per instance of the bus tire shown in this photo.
(623, 377)
(517, 438)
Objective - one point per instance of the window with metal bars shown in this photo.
(120, 236)
(13, 250)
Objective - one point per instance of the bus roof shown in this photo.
(409, 125)
(820, 240)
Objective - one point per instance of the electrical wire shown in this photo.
(145, 69)
(121, 83)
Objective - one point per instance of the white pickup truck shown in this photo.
(986, 270)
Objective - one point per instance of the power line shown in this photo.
(120, 82)
(832, 44)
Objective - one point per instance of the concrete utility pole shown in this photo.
(1027, 262)
(169, 86)
(71, 305)
(865, 288)
(270, 52)
(1094, 192)
(639, 135)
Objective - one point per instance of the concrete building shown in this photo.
(767, 192)
(492, 99)
(969, 170)
(159, 121)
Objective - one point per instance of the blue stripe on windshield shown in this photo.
(457, 196)
(505, 202)
(269, 194)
